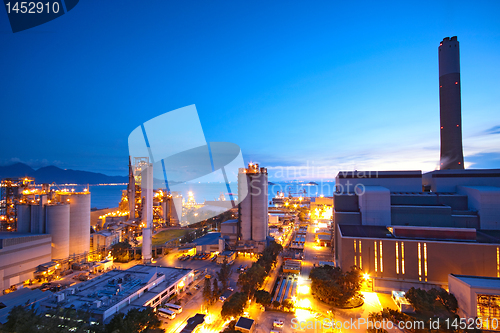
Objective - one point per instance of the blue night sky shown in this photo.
(311, 84)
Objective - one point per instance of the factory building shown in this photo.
(65, 216)
(477, 297)
(450, 104)
(119, 291)
(253, 209)
(20, 255)
(402, 236)
(44, 226)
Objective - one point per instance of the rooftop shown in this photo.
(479, 281)
(245, 323)
(381, 232)
(208, 239)
(193, 322)
(112, 287)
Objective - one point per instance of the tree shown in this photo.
(287, 304)
(252, 279)
(135, 320)
(120, 251)
(22, 319)
(432, 300)
(224, 273)
(263, 297)
(331, 285)
(276, 304)
(215, 290)
(207, 292)
(234, 305)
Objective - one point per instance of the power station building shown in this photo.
(406, 229)
(402, 236)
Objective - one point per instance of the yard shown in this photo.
(167, 235)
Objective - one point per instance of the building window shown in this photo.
(402, 257)
(397, 258)
(360, 260)
(498, 261)
(355, 263)
(419, 263)
(488, 310)
(354, 246)
(381, 262)
(425, 261)
(376, 257)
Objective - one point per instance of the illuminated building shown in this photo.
(477, 297)
(403, 236)
(20, 255)
(119, 291)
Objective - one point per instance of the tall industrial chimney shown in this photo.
(452, 156)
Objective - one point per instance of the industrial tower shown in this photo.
(254, 207)
(452, 156)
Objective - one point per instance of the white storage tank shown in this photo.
(24, 218)
(57, 220)
(79, 222)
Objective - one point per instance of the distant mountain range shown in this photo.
(53, 174)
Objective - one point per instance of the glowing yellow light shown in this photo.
(366, 276)
(181, 284)
(304, 289)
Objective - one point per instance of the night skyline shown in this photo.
(292, 85)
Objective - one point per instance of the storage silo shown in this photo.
(254, 208)
(79, 222)
(23, 218)
(57, 218)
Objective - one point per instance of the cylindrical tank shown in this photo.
(58, 221)
(259, 206)
(146, 245)
(79, 222)
(245, 205)
(23, 218)
(252, 185)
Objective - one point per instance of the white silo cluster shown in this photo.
(65, 216)
(254, 208)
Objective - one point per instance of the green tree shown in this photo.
(224, 273)
(234, 305)
(22, 320)
(207, 292)
(252, 279)
(135, 320)
(263, 297)
(331, 285)
(215, 290)
(287, 304)
(120, 251)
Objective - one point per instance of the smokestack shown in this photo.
(452, 156)
(131, 190)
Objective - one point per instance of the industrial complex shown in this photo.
(401, 229)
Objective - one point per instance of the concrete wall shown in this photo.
(20, 256)
(346, 203)
(375, 205)
(475, 259)
(486, 200)
(395, 181)
(436, 216)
